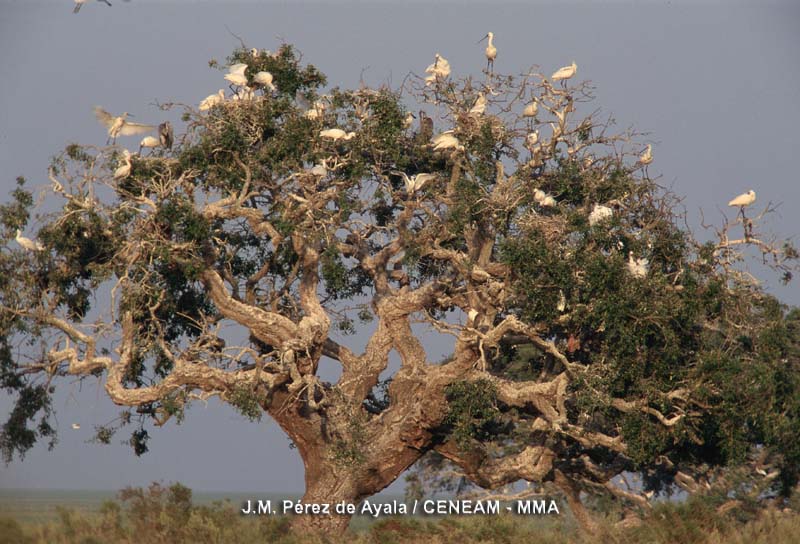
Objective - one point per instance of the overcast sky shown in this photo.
(716, 86)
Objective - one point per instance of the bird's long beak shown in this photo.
(479, 41)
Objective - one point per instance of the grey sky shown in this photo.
(716, 86)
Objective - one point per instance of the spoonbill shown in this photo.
(265, 80)
(565, 72)
(491, 51)
(472, 314)
(165, 135)
(744, 199)
(539, 195)
(408, 120)
(119, 126)
(637, 267)
(531, 109)
(124, 170)
(79, 4)
(446, 140)
(646, 157)
(236, 74)
(336, 134)
(440, 69)
(27, 243)
(149, 142)
(415, 183)
(599, 213)
(212, 100)
(548, 201)
(480, 105)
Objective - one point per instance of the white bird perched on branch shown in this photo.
(539, 195)
(149, 142)
(531, 109)
(565, 72)
(472, 314)
(79, 4)
(165, 135)
(446, 140)
(415, 183)
(120, 126)
(124, 170)
(744, 200)
(27, 243)
(548, 201)
(637, 267)
(440, 69)
(480, 105)
(491, 51)
(336, 134)
(265, 80)
(236, 74)
(646, 157)
(599, 213)
(408, 120)
(212, 100)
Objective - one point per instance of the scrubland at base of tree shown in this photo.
(168, 514)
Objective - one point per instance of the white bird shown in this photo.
(244, 93)
(565, 72)
(531, 109)
(212, 100)
(599, 213)
(744, 199)
(539, 195)
(480, 105)
(637, 267)
(548, 201)
(446, 140)
(265, 80)
(149, 142)
(319, 170)
(415, 183)
(646, 157)
(491, 51)
(76, 426)
(562, 301)
(165, 134)
(254, 52)
(472, 314)
(440, 69)
(336, 134)
(124, 170)
(532, 139)
(120, 126)
(408, 120)
(27, 243)
(236, 75)
(315, 111)
(79, 4)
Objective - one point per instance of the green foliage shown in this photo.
(473, 413)
(246, 401)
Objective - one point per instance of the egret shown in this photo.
(532, 139)
(149, 142)
(124, 170)
(565, 72)
(480, 105)
(212, 100)
(446, 140)
(744, 199)
(491, 51)
(646, 157)
(236, 74)
(637, 267)
(336, 134)
(415, 183)
(27, 243)
(531, 109)
(599, 213)
(265, 80)
(165, 135)
(120, 126)
(79, 4)
(76, 426)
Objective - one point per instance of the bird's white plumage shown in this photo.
(531, 109)
(440, 69)
(637, 267)
(236, 74)
(120, 126)
(27, 243)
(212, 100)
(599, 213)
(647, 156)
(414, 183)
(445, 140)
(480, 105)
(532, 139)
(565, 72)
(149, 141)
(336, 134)
(264, 79)
(744, 199)
(124, 170)
(491, 50)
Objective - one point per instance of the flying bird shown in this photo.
(491, 51)
(565, 72)
(646, 157)
(165, 135)
(76, 426)
(744, 200)
(212, 100)
(79, 4)
(336, 134)
(265, 80)
(124, 170)
(119, 126)
(236, 75)
(599, 213)
(27, 243)
(415, 183)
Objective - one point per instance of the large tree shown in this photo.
(591, 334)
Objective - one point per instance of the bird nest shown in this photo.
(551, 227)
